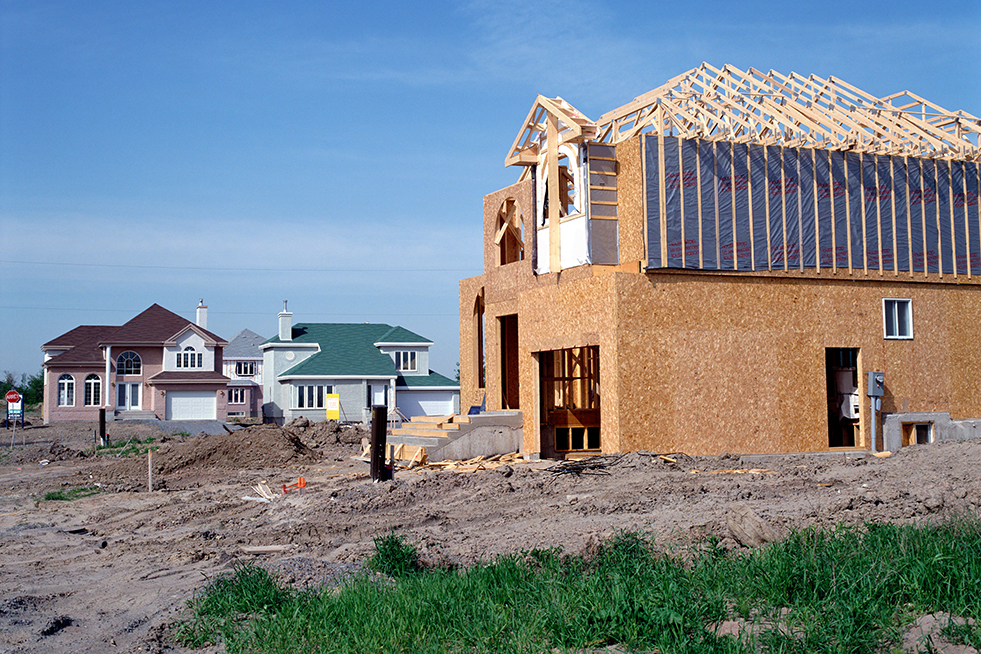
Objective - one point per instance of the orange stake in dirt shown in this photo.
(299, 485)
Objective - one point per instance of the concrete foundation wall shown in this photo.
(944, 428)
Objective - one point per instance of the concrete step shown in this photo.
(430, 419)
(136, 415)
(431, 426)
(462, 437)
(412, 430)
(429, 442)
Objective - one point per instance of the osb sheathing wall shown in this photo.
(704, 362)
(737, 364)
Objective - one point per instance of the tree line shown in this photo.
(30, 386)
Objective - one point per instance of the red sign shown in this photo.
(12, 397)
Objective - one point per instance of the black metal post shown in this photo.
(102, 426)
(379, 437)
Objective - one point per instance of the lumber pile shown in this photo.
(476, 463)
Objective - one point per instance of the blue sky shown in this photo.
(336, 156)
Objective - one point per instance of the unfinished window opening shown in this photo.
(843, 396)
(478, 328)
(570, 399)
(510, 392)
(570, 183)
(509, 237)
(917, 433)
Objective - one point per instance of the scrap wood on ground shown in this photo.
(594, 465)
(477, 463)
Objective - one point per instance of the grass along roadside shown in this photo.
(850, 589)
(70, 494)
(127, 448)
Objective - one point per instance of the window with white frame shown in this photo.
(405, 361)
(311, 396)
(129, 363)
(66, 390)
(236, 395)
(245, 368)
(93, 390)
(897, 318)
(189, 358)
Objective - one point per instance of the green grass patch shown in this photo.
(72, 493)
(849, 589)
(131, 447)
(394, 556)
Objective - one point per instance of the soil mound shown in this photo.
(254, 447)
(329, 432)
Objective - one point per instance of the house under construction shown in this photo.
(719, 264)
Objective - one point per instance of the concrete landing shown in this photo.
(462, 437)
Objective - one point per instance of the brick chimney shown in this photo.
(201, 316)
(285, 324)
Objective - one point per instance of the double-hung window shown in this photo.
(897, 318)
(236, 395)
(93, 390)
(245, 368)
(66, 390)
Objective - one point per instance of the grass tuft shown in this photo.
(132, 447)
(394, 556)
(849, 589)
(72, 493)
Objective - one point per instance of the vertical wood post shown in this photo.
(379, 433)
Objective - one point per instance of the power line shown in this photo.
(228, 269)
(242, 313)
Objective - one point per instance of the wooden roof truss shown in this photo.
(770, 108)
(572, 126)
(792, 110)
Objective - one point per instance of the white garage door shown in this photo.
(192, 405)
(425, 403)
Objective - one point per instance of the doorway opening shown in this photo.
(844, 405)
(570, 401)
(510, 391)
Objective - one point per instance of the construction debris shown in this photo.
(740, 471)
(747, 527)
(476, 463)
(595, 465)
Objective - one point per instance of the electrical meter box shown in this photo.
(876, 384)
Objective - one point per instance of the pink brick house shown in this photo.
(156, 365)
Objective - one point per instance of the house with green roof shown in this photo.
(363, 364)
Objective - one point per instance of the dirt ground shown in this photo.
(111, 572)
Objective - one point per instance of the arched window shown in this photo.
(93, 390)
(129, 363)
(189, 358)
(66, 390)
